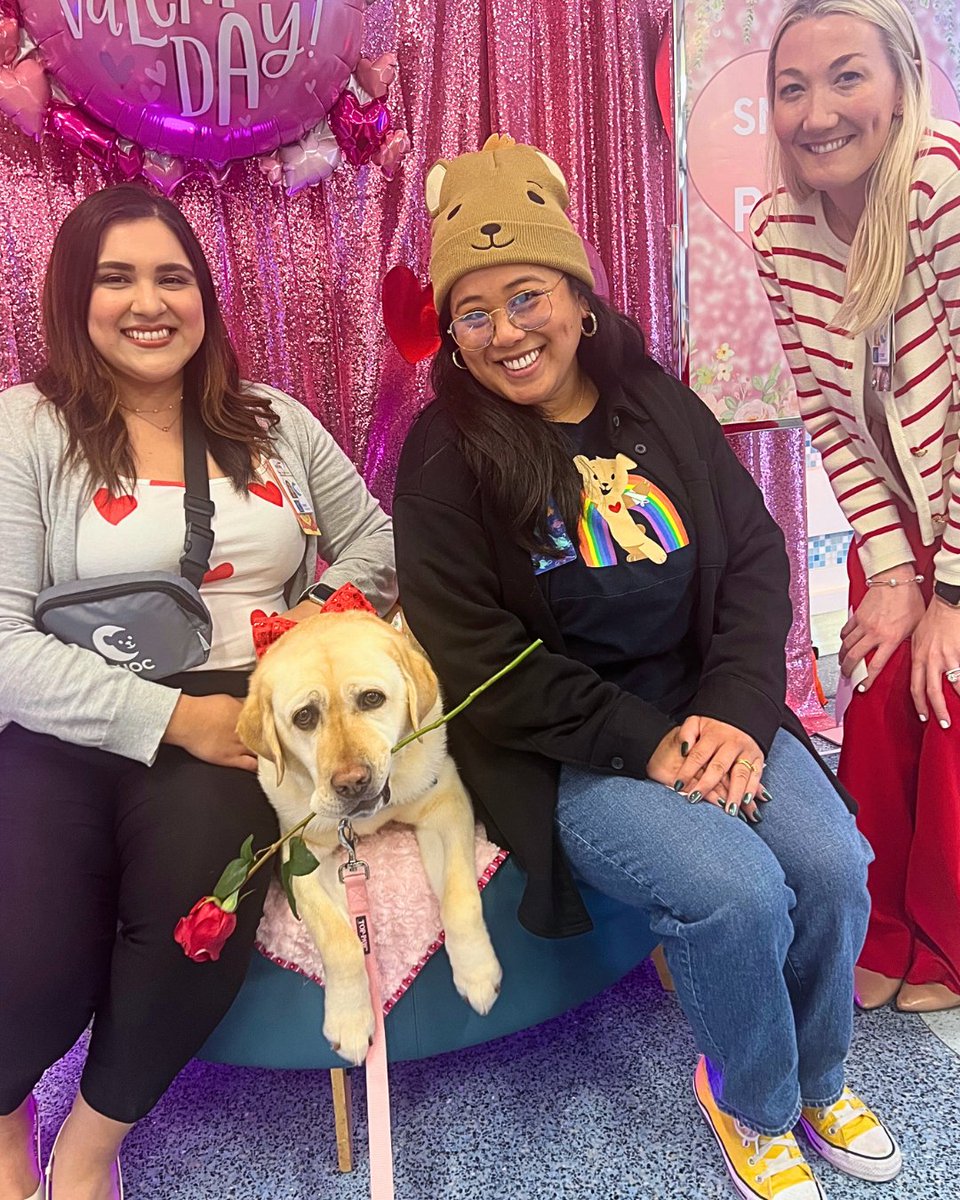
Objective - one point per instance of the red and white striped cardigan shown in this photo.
(802, 265)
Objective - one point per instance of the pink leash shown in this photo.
(354, 875)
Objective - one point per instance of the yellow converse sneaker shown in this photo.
(852, 1138)
(761, 1167)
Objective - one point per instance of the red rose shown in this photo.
(204, 929)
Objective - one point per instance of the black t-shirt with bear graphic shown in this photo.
(623, 590)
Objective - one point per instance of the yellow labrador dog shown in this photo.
(326, 704)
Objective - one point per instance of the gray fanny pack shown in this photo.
(153, 623)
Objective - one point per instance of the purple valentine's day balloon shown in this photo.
(194, 79)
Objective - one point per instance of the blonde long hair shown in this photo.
(878, 253)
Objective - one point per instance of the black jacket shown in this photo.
(471, 597)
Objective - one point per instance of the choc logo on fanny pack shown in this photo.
(118, 645)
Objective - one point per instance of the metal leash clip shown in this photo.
(348, 840)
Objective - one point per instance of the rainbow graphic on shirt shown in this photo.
(659, 513)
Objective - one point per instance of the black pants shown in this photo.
(99, 857)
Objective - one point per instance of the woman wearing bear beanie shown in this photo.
(562, 486)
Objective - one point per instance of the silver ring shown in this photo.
(952, 676)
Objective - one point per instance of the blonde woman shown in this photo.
(858, 253)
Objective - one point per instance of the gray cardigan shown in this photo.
(72, 693)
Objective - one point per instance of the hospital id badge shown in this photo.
(882, 355)
(282, 476)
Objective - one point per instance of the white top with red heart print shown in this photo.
(258, 546)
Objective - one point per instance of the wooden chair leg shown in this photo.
(342, 1089)
(663, 971)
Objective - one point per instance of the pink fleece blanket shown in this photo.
(404, 912)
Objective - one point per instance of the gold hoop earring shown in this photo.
(592, 318)
(461, 365)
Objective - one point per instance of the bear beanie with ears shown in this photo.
(503, 204)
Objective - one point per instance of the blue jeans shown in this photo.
(761, 925)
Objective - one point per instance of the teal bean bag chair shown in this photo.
(277, 1017)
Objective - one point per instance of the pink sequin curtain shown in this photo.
(299, 278)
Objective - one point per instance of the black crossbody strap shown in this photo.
(198, 508)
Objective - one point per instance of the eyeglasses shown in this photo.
(527, 310)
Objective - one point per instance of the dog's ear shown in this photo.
(256, 727)
(422, 687)
(625, 463)
(582, 463)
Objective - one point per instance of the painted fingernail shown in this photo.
(923, 717)
(765, 795)
(695, 797)
(748, 797)
(684, 748)
(944, 724)
(678, 786)
(732, 809)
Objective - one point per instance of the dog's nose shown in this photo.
(491, 229)
(351, 781)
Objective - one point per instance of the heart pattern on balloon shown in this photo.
(359, 128)
(266, 491)
(409, 314)
(113, 508)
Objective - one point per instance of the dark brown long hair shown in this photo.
(81, 385)
(523, 461)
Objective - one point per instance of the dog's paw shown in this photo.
(349, 1026)
(476, 973)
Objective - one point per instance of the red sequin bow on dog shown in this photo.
(266, 629)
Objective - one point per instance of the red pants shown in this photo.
(905, 776)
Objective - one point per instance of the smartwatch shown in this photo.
(320, 593)
(949, 593)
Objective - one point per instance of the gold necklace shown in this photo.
(163, 428)
(139, 412)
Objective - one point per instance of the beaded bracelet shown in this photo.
(893, 582)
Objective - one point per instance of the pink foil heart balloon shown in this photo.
(377, 76)
(311, 160)
(395, 145)
(127, 159)
(359, 128)
(9, 40)
(271, 166)
(24, 95)
(91, 138)
(163, 170)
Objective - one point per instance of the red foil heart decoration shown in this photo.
(409, 314)
(359, 128)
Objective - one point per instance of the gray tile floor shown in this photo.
(594, 1104)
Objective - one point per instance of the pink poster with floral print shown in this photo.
(735, 361)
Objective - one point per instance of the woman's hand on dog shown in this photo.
(709, 757)
(206, 727)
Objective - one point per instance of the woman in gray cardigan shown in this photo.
(121, 797)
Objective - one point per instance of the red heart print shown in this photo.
(267, 491)
(614, 507)
(409, 314)
(222, 571)
(113, 508)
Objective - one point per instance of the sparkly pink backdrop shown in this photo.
(300, 278)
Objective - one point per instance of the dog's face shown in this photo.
(604, 478)
(328, 702)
